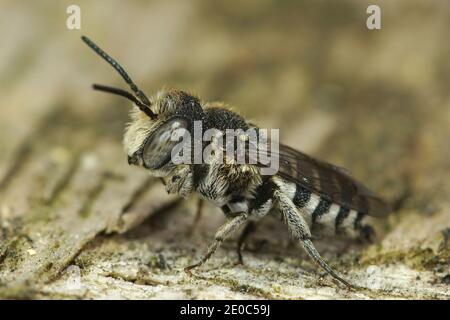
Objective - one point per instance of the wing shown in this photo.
(329, 181)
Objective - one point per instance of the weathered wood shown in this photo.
(77, 222)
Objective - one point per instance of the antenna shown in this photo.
(139, 95)
(144, 108)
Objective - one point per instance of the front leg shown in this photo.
(227, 229)
(180, 181)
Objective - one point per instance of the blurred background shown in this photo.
(374, 101)
(307, 67)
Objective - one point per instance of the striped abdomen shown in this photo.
(324, 215)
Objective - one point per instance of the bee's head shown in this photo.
(147, 139)
(148, 142)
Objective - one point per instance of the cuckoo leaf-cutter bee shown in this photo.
(307, 193)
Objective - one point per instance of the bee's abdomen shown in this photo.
(322, 214)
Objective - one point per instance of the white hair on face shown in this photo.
(136, 131)
(140, 125)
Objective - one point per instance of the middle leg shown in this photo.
(248, 229)
(227, 229)
(198, 216)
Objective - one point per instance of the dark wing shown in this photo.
(329, 181)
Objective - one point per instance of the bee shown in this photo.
(307, 193)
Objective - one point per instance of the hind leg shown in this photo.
(366, 234)
(198, 216)
(248, 229)
(300, 231)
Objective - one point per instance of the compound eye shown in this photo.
(158, 147)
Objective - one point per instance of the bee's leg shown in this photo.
(198, 215)
(248, 229)
(366, 234)
(180, 182)
(300, 231)
(228, 228)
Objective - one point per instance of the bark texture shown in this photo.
(77, 222)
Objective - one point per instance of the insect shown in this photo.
(307, 193)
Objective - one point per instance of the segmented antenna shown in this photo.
(144, 108)
(140, 96)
